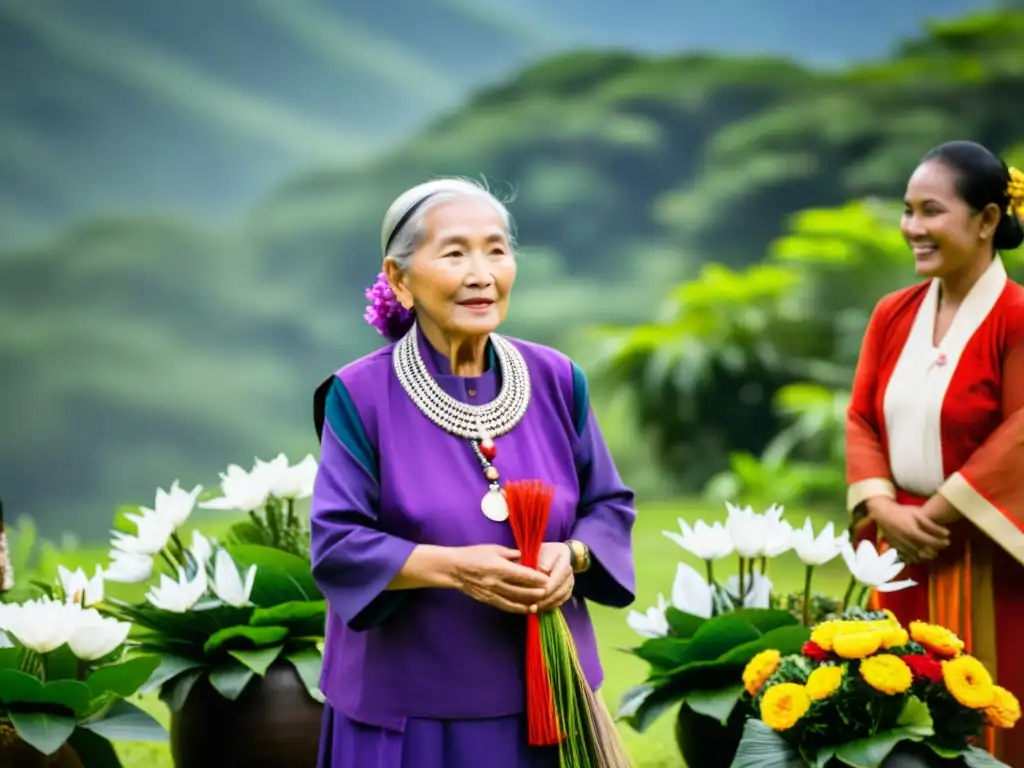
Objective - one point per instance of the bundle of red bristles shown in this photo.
(561, 708)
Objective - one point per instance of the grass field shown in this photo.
(656, 559)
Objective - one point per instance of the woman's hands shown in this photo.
(555, 560)
(492, 574)
(911, 530)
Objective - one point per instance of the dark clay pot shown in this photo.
(273, 724)
(912, 756)
(15, 752)
(706, 743)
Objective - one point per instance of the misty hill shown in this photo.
(198, 108)
(137, 349)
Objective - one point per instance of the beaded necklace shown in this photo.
(479, 424)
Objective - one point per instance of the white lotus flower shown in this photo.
(153, 531)
(176, 504)
(40, 625)
(95, 636)
(201, 549)
(652, 623)
(823, 549)
(747, 530)
(875, 570)
(706, 542)
(178, 596)
(248, 491)
(128, 567)
(690, 593)
(758, 593)
(778, 533)
(227, 584)
(295, 482)
(79, 588)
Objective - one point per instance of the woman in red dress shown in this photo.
(935, 430)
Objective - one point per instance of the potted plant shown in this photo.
(238, 627)
(866, 691)
(697, 646)
(65, 672)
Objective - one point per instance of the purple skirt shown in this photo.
(498, 742)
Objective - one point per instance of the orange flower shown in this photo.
(759, 669)
(857, 645)
(1004, 711)
(969, 682)
(823, 682)
(887, 674)
(936, 639)
(783, 705)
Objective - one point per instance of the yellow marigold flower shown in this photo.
(759, 669)
(968, 682)
(783, 705)
(936, 639)
(1015, 191)
(886, 673)
(823, 634)
(823, 682)
(894, 637)
(1004, 711)
(857, 645)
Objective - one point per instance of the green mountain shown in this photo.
(199, 108)
(143, 348)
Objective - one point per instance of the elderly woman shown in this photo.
(424, 660)
(935, 436)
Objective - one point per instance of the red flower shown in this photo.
(814, 651)
(924, 668)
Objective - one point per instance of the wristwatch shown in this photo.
(579, 555)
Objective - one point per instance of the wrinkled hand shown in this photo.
(555, 560)
(490, 574)
(914, 534)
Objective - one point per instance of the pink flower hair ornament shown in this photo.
(385, 313)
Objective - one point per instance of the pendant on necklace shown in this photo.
(494, 506)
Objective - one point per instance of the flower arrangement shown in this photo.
(864, 686)
(697, 645)
(65, 674)
(224, 612)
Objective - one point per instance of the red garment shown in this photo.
(950, 420)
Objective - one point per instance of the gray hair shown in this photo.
(420, 200)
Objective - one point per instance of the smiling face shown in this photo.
(947, 236)
(460, 277)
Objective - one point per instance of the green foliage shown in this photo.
(277, 526)
(704, 658)
(281, 577)
(52, 698)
